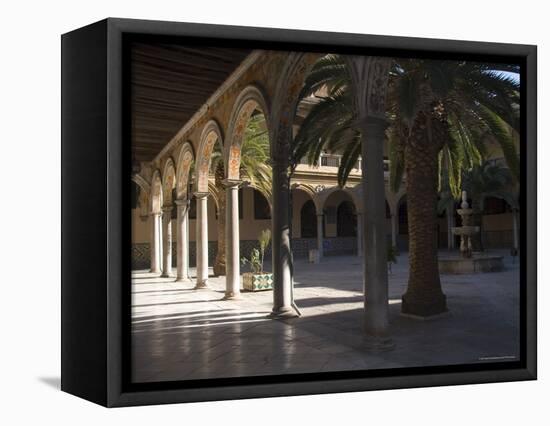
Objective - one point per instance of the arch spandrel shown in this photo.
(156, 192)
(250, 99)
(183, 170)
(168, 182)
(210, 135)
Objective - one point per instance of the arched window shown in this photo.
(346, 220)
(308, 220)
(261, 206)
(403, 219)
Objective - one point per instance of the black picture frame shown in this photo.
(95, 224)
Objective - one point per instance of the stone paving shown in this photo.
(180, 333)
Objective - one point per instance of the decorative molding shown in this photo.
(209, 136)
(186, 158)
(250, 99)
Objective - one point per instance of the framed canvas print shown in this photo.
(251, 212)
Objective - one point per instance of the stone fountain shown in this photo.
(468, 262)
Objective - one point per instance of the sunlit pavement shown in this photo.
(180, 333)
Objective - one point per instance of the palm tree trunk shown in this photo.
(424, 296)
(219, 263)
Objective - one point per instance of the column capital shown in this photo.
(232, 183)
(155, 213)
(200, 195)
(182, 202)
(166, 209)
(372, 123)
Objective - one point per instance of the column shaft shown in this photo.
(202, 239)
(154, 247)
(320, 218)
(182, 254)
(374, 236)
(281, 251)
(167, 242)
(359, 234)
(232, 252)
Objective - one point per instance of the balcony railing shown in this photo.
(333, 160)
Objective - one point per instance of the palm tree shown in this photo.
(254, 170)
(438, 111)
(482, 182)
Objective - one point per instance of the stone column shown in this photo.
(320, 218)
(232, 240)
(369, 77)
(201, 237)
(393, 220)
(281, 251)
(160, 245)
(154, 246)
(182, 253)
(359, 234)
(375, 270)
(167, 242)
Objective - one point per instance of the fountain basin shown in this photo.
(465, 230)
(472, 265)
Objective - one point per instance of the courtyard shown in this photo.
(180, 333)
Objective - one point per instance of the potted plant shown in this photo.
(258, 279)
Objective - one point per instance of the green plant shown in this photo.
(256, 260)
(254, 169)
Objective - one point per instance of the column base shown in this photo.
(169, 275)
(283, 313)
(183, 279)
(423, 308)
(378, 344)
(155, 271)
(232, 296)
(201, 285)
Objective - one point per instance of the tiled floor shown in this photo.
(180, 333)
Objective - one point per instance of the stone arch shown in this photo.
(346, 219)
(168, 182)
(248, 101)
(184, 167)
(308, 220)
(209, 136)
(156, 192)
(333, 212)
(306, 211)
(212, 190)
(285, 102)
(313, 194)
(350, 192)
